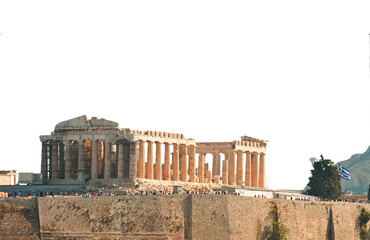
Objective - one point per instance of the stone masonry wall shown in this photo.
(19, 219)
(176, 217)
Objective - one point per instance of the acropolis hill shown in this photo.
(98, 152)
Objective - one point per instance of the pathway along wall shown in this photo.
(176, 217)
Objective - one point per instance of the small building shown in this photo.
(177, 189)
(249, 191)
(29, 178)
(8, 177)
(292, 195)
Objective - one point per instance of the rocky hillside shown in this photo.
(359, 166)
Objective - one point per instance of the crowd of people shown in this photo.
(114, 193)
(164, 191)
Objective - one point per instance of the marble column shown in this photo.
(54, 161)
(120, 161)
(248, 169)
(133, 157)
(94, 159)
(225, 172)
(261, 175)
(208, 176)
(201, 167)
(216, 164)
(175, 162)
(183, 162)
(149, 162)
(44, 163)
(232, 168)
(158, 161)
(239, 169)
(107, 160)
(254, 164)
(81, 160)
(191, 163)
(141, 162)
(67, 159)
(167, 159)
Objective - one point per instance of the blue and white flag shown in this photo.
(344, 173)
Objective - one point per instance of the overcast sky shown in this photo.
(292, 72)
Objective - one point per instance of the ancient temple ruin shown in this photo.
(98, 152)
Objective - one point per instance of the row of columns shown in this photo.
(151, 170)
(52, 170)
(232, 166)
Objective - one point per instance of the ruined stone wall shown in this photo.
(178, 217)
(5, 180)
(19, 219)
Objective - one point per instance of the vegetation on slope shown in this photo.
(359, 166)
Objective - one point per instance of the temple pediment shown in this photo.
(82, 123)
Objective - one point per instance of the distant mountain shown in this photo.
(359, 166)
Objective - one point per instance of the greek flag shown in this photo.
(344, 173)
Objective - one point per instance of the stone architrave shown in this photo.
(248, 169)
(254, 164)
(175, 162)
(149, 164)
(239, 169)
(158, 161)
(261, 175)
(166, 166)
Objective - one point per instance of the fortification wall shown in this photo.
(127, 217)
(177, 217)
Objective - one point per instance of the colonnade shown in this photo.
(182, 158)
(241, 168)
(85, 159)
(180, 164)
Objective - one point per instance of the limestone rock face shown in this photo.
(82, 122)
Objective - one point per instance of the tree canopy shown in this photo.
(325, 180)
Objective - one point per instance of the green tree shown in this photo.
(368, 194)
(364, 218)
(325, 180)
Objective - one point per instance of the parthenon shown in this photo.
(98, 152)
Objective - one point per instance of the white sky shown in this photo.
(292, 72)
